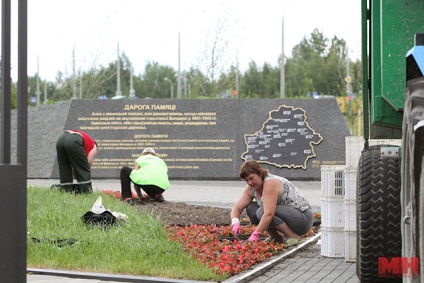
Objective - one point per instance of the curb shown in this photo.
(262, 268)
(107, 277)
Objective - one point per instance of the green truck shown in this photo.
(390, 179)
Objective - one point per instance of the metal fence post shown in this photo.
(13, 177)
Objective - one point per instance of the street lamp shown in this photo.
(172, 87)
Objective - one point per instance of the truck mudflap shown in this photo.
(378, 213)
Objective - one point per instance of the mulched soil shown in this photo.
(179, 213)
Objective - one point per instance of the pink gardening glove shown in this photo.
(256, 236)
(236, 228)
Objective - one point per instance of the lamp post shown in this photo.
(172, 87)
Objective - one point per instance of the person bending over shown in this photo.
(273, 204)
(75, 154)
(150, 174)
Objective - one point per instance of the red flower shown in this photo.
(223, 256)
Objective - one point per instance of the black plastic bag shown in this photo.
(104, 219)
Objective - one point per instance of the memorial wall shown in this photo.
(198, 139)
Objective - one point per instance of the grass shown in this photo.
(136, 247)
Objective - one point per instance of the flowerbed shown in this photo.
(213, 244)
(224, 256)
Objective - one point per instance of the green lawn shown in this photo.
(137, 247)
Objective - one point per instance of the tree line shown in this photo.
(317, 65)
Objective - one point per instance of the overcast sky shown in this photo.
(147, 30)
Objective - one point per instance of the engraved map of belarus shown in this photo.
(285, 140)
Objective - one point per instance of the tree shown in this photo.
(101, 82)
(251, 82)
(356, 74)
(201, 86)
(154, 84)
(216, 60)
(270, 81)
(317, 67)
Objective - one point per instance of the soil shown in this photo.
(179, 213)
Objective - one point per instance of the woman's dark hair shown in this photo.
(252, 166)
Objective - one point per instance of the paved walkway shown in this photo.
(311, 268)
(305, 266)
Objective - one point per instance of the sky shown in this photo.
(176, 33)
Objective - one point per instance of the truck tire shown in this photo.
(378, 213)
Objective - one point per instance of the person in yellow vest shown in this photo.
(149, 174)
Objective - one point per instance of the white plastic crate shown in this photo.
(354, 146)
(350, 214)
(350, 176)
(350, 245)
(333, 211)
(332, 180)
(332, 242)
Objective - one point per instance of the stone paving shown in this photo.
(309, 266)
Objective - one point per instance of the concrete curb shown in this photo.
(262, 268)
(107, 277)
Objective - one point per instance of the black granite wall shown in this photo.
(199, 139)
(45, 122)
